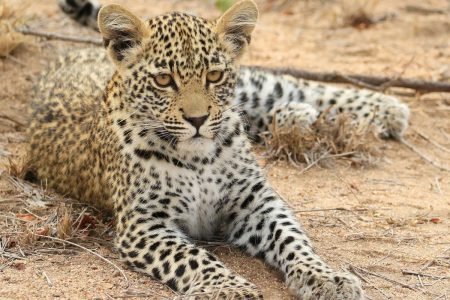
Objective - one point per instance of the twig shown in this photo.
(6, 117)
(423, 156)
(329, 209)
(385, 278)
(438, 185)
(109, 296)
(424, 10)
(49, 282)
(360, 83)
(367, 281)
(406, 272)
(17, 61)
(87, 250)
(314, 162)
(428, 139)
(370, 82)
(387, 255)
(441, 296)
(420, 281)
(60, 36)
(7, 264)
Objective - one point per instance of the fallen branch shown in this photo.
(378, 83)
(60, 36)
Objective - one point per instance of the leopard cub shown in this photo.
(155, 138)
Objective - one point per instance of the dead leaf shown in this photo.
(26, 217)
(87, 221)
(435, 220)
(43, 231)
(18, 266)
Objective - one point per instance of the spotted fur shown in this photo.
(174, 163)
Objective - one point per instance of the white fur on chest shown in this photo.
(200, 192)
(204, 201)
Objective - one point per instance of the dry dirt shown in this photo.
(398, 212)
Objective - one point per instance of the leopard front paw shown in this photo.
(227, 287)
(332, 286)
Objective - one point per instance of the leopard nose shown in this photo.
(197, 122)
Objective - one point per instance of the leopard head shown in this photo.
(176, 73)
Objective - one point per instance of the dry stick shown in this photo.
(49, 282)
(314, 162)
(406, 272)
(428, 139)
(324, 156)
(88, 250)
(329, 209)
(367, 281)
(423, 156)
(370, 82)
(424, 10)
(60, 36)
(17, 122)
(384, 277)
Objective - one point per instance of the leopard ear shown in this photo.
(122, 31)
(236, 26)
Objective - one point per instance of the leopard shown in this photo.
(151, 129)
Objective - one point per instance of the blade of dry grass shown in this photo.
(89, 251)
(434, 163)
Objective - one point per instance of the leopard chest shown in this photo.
(194, 193)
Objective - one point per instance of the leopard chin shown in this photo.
(197, 145)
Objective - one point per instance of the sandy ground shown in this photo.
(397, 212)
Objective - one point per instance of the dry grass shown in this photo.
(44, 214)
(324, 142)
(10, 17)
(34, 220)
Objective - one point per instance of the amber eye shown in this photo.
(214, 76)
(163, 80)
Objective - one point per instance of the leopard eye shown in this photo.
(163, 80)
(214, 76)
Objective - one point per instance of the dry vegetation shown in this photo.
(327, 140)
(389, 224)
